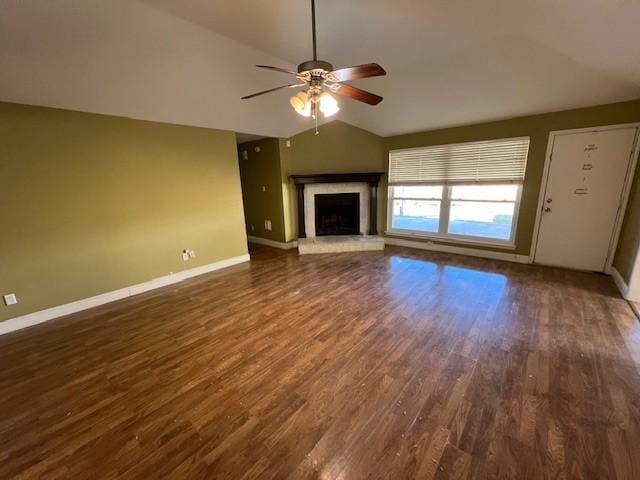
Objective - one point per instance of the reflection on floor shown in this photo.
(399, 364)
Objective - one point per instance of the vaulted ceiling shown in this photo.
(449, 62)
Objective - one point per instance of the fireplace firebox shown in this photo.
(337, 213)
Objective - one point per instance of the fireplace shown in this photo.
(337, 214)
(363, 185)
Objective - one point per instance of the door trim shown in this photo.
(626, 188)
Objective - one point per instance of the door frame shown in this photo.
(626, 188)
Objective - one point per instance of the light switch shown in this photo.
(10, 299)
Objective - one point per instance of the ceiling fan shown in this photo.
(319, 78)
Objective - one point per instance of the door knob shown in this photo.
(549, 200)
(547, 209)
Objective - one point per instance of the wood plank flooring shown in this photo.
(385, 365)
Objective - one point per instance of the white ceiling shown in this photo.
(122, 57)
(449, 62)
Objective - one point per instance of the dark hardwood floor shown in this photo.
(399, 364)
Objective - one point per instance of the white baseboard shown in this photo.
(620, 283)
(41, 316)
(272, 243)
(472, 252)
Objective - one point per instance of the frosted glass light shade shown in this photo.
(328, 105)
(301, 104)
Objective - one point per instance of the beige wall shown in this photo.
(339, 148)
(92, 203)
(262, 169)
(537, 127)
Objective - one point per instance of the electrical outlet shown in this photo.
(267, 225)
(10, 299)
(253, 229)
(192, 254)
(264, 189)
(288, 143)
(185, 255)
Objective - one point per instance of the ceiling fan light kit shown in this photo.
(320, 80)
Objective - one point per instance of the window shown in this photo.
(469, 192)
(416, 208)
(483, 210)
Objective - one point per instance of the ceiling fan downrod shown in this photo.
(313, 29)
(315, 64)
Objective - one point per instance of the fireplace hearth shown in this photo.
(337, 213)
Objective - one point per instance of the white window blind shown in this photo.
(492, 161)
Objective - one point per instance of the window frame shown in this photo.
(445, 207)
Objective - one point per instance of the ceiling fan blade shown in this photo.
(360, 71)
(291, 85)
(358, 94)
(278, 69)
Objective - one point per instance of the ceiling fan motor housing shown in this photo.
(315, 65)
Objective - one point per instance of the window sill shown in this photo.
(452, 239)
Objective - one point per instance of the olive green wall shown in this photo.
(262, 169)
(537, 127)
(339, 148)
(629, 241)
(93, 203)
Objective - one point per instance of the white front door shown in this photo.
(582, 196)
